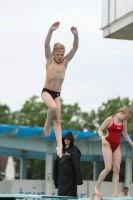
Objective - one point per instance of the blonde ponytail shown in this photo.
(124, 110)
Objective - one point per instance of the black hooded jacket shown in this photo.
(67, 174)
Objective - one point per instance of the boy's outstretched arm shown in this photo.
(48, 38)
(72, 52)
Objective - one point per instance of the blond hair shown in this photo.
(124, 110)
(58, 46)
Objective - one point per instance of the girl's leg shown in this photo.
(57, 127)
(116, 169)
(107, 156)
(52, 108)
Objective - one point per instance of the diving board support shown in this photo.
(128, 169)
(48, 170)
(96, 168)
(23, 166)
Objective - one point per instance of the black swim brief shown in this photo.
(52, 93)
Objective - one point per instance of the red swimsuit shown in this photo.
(114, 132)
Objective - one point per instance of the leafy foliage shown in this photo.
(111, 107)
(33, 113)
(4, 114)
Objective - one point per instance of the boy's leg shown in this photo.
(52, 108)
(57, 127)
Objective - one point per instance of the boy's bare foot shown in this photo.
(47, 128)
(59, 151)
(97, 191)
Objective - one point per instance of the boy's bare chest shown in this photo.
(56, 69)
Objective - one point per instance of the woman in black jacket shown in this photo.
(67, 173)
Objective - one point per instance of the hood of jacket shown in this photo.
(69, 136)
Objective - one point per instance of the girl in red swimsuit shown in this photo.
(115, 125)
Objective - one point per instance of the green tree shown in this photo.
(33, 113)
(89, 121)
(4, 114)
(86, 170)
(36, 169)
(111, 107)
(70, 116)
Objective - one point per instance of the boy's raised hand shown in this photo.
(55, 26)
(74, 30)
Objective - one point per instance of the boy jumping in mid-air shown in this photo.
(56, 66)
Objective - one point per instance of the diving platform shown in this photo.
(114, 198)
(31, 196)
(43, 197)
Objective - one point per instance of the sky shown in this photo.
(100, 70)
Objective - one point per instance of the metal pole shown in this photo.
(128, 169)
(23, 166)
(48, 169)
(48, 173)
